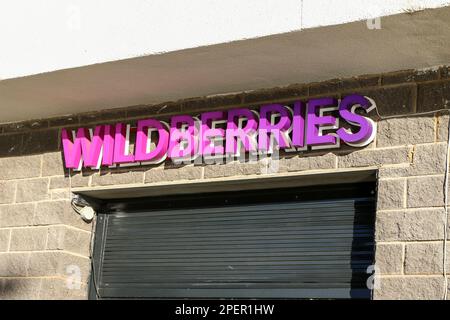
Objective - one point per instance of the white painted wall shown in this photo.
(46, 35)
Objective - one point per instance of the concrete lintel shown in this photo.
(299, 179)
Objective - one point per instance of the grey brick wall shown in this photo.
(41, 236)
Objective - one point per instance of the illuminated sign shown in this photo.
(321, 123)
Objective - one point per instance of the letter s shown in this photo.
(367, 127)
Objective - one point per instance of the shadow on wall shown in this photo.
(169, 171)
(19, 288)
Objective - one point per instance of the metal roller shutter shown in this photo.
(301, 243)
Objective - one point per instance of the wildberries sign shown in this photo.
(316, 124)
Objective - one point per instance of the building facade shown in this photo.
(47, 251)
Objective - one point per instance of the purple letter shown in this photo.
(121, 143)
(178, 137)
(298, 128)
(207, 133)
(266, 127)
(108, 146)
(72, 150)
(83, 148)
(142, 154)
(92, 149)
(366, 132)
(244, 134)
(313, 137)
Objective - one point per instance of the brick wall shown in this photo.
(42, 238)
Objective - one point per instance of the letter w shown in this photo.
(85, 148)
